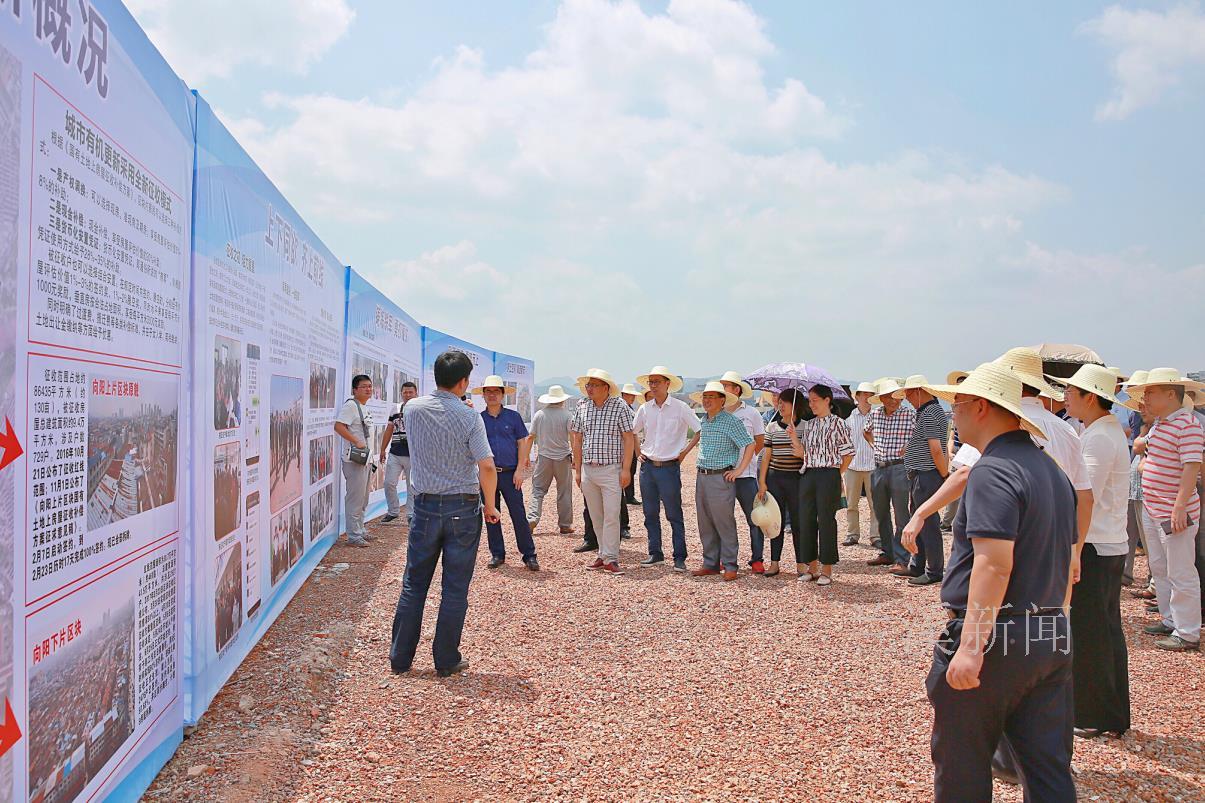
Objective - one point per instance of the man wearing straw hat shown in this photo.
(511, 446)
(857, 476)
(665, 423)
(1171, 505)
(602, 452)
(1002, 666)
(554, 460)
(927, 466)
(888, 429)
(746, 484)
(725, 451)
(1100, 663)
(632, 397)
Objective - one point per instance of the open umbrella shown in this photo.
(778, 376)
(1064, 359)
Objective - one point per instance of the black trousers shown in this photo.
(1101, 662)
(591, 537)
(784, 487)
(819, 500)
(930, 556)
(1024, 693)
(629, 493)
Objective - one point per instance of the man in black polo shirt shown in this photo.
(1003, 663)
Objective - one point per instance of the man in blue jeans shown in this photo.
(511, 445)
(665, 423)
(451, 471)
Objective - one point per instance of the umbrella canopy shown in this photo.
(1062, 360)
(779, 376)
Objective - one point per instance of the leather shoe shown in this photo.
(625, 534)
(495, 562)
(566, 530)
(586, 546)
(1158, 629)
(925, 579)
(881, 560)
(729, 577)
(460, 666)
(904, 572)
(704, 572)
(652, 560)
(850, 540)
(532, 563)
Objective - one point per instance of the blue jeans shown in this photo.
(518, 518)
(663, 486)
(930, 556)
(888, 490)
(447, 528)
(746, 492)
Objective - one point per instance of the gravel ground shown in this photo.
(651, 685)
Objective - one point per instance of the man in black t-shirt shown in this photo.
(394, 440)
(1003, 664)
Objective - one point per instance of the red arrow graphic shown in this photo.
(10, 731)
(10, 444)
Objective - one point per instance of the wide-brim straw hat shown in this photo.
(1095, 380)
(1165, 376)
(866, 387)
(914, 382)
(1027, 364)
(1121, 377)
(1136, 378)
(886, 387)
(767, 515)
(737, 379)
(600, 375)
(714, 386)
(954, 377)
(555, 395)
(631, 390)
(998, 385)
(675, 381)
(493, 381)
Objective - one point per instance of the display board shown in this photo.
(519, 374)
(96, 152)
(436, 342)
(386, 344)
(268, 327)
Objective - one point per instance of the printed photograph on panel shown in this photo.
(280, 545)
(322, 511)
(523, 402)
(227, 383)
(81, 702)
(322, 386)
(376, 479)
(286, 424)
(228, 596)
(227, 488)
(132, 441)
(397, 378)
(322, 457)
(363, 364)
(296, 534)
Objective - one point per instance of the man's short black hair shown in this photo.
(451, 367)
(358, 378)
(409, 384)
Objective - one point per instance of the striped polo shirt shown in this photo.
(722, 440)
(931, 424)
(1171, 443)
(778, 445)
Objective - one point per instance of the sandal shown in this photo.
(806, 577)
(824, 580)
(773, 570)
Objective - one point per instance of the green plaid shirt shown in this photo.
(722, 440)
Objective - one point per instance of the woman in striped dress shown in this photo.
(826, 448)
(779, 474)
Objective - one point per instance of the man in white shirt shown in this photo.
(665, 423)
(1101, 663)
(746, 483)
(857, 476)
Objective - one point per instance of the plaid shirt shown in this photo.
(602, 430)
(722, 440)
(891, 432)
(825, 441)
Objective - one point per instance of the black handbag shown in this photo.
(355, 454)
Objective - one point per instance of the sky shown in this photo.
(875, 188)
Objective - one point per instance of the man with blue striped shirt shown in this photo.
(451, 472)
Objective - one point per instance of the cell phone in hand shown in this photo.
(1167, 525)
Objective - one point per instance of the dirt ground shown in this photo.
(651, 685)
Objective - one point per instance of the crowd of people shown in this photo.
(227, 490)
(1049, 489)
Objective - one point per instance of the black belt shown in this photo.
(447, 498)
(716, 470)
(505, 468)
(660, 463)
(955, 613)
(888, 463)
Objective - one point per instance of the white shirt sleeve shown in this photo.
(638, 423)
(967, 456)
(1081, 480)
(1095, 456)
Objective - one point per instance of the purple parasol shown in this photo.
(779, 376)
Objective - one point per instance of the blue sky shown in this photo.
(878, 188)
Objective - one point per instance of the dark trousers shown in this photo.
(819, 500)
(889, 491)
(1101, 663)
(518, 518)
(1133, 511)
(930, 554)
(784, 487)
(1024, 693)
(590, 537)
(746, 492)
(663, 486)
(629, 493)
(446, 528)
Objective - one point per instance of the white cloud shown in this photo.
(211, 38)
(1155, 51)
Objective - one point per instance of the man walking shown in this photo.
(511, 446)
(395, 454)
(602, 453)
(554, 459)
(927, 467)
(665, 424)
(888, 429)
(857, 476)
(451, 471)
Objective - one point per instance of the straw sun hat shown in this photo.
(736, 379)
(714, 386)
(493, 381)
(886, 386)
(914, 382)
(555, 395)
(631, 390)
(866, 387)
(1095, 380)
(767, 515)
(675, 381)
(602, 376)
(995, 383)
